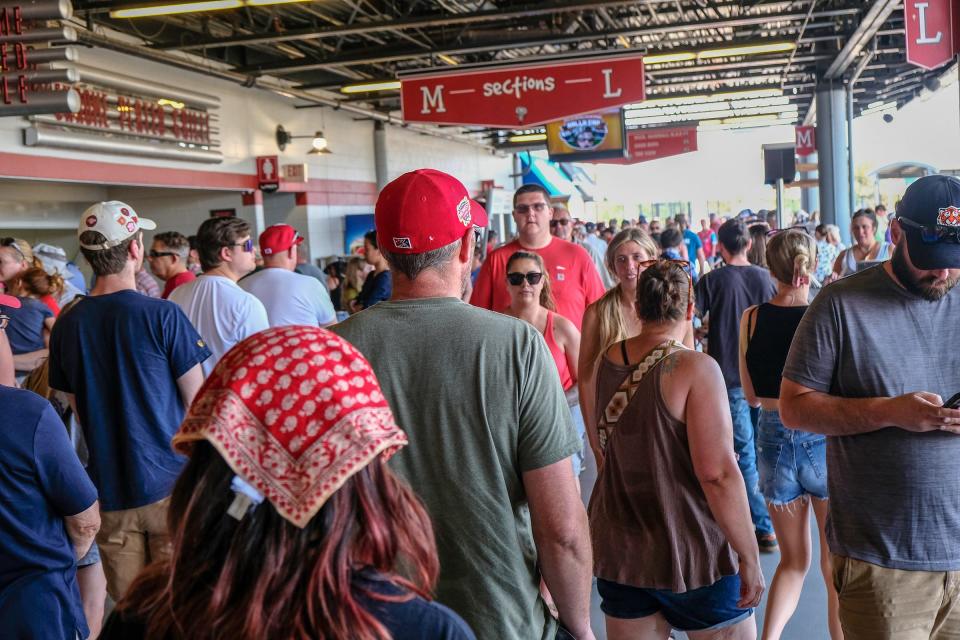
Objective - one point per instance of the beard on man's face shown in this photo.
(922, 283)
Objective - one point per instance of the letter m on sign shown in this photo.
(434, 99)
(806, 140)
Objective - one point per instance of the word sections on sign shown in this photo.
(523, 95)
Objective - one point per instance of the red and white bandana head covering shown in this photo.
(294, 411)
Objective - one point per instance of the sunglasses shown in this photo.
(933, 235)
(539, 207)
(160, 254)
(562, 221)
(516, 279)
(247, 246)
(12, 243)
(4, 321)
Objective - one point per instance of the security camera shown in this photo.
(888, 118)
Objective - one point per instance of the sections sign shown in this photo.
(931, 32)
(523, 95)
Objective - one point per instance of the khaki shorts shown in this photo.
(877, 603)
(129, 540)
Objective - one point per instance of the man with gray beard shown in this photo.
(871, 366)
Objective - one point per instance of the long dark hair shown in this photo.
(263, 577)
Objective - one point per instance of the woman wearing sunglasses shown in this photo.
(28, 329)
(528, 284)
(792, 464)
(286, 521)
(673, 543)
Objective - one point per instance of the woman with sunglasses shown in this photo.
(286, 521)
(613, 317)
(28, 329)
(866, 249)
(528, 284)
(792, 464)
(673, 543)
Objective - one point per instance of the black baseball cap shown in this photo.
(929, 214)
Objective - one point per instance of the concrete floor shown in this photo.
(809, 622)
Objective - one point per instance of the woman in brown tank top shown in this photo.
(673, 543)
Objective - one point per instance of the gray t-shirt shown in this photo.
(480, 400)
(894, 494)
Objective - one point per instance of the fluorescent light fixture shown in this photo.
(713, 97)
(445, 58)
(164, 102)
(192, 7)
(663, 58)
(772, 47)
(528, 137)
(364, 87)
(746, 50)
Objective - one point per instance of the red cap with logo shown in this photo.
(278, 238)
(425, 210)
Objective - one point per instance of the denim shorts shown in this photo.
(792, 464)
(92, 557)
(711, 607)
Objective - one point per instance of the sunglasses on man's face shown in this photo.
(161, 254)
(524, 209)
(532, 277)
(933, 235)
(561, 221)
(246, 246)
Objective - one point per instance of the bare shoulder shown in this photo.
(564, 327)
(688, 363)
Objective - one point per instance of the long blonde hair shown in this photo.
(610, 324)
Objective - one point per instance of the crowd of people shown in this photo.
(261, 449)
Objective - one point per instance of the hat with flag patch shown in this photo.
(929, 214)
(424, 210)
(114, 220)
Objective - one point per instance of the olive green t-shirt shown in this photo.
(480, 399)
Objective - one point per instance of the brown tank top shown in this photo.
(650, 522)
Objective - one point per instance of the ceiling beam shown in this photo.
(354, 58)
(866, 29)
(442, 20)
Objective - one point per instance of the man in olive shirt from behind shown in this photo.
(490, 435)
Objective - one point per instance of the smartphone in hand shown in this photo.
(953, 403)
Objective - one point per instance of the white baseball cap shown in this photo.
(114, 220)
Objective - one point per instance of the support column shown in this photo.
(833, 160)
(313, 217)
(380, 154)
(809, 196)
(253, 210)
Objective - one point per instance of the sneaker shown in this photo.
(767, 542)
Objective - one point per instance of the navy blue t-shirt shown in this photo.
(41, 481)
(376, 288)
(410, 619)
(121, 354)
(25, 330)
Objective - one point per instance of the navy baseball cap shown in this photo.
(929, 214)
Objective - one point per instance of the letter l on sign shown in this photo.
(931, 32)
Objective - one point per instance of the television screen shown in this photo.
(587, 137)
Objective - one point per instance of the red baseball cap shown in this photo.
(424, 210)
(278, 238)
(9, 301)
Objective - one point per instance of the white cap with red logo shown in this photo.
(116, 221)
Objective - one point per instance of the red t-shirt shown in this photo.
(51, 303)
(573, 278)
(176, 281)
